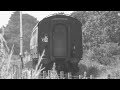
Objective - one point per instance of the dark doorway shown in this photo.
(60, 41)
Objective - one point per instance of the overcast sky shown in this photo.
(5, 15)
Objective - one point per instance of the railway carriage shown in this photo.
(61, 37)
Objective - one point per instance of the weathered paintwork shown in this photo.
(74, 34)
(55, 49)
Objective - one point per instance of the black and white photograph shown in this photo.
(59, 44)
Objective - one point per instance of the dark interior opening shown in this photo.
(60, 41)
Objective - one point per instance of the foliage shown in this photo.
(101, 38)
(99, 27)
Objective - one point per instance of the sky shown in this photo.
(5, 15)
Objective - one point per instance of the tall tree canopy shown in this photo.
(12, 31)
(99, 27)
(101, 35)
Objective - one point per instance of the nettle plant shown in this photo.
(5, 58)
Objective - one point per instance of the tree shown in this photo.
(99, 27)
(12, 31)
(101, 36)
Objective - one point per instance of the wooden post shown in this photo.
(91, 77)
(80, 76)
(44, 74)
(69, 76)
(61, 75)
(21, 39)
(49, 73)
(84, 77)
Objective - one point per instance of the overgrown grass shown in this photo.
(11, 69)
(106, 59)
